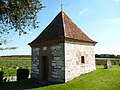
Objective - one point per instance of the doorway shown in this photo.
(45, 68)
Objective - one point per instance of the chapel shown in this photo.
(62, 51)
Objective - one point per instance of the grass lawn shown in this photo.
(101, 79)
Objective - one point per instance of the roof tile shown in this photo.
(61, 27)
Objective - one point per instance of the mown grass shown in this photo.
(100, 79)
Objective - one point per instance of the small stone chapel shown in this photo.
(62, 51)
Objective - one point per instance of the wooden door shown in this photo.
(45, 68)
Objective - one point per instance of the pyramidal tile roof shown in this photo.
(61, 27)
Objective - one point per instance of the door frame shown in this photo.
(44, 68)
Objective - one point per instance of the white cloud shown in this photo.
(83, 11)
(113, 20)
(116, 0)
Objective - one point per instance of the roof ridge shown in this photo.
(63, 22)
(71, 30)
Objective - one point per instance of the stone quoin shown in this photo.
(62, 51)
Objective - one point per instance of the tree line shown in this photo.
(96, 56)
(106, 56)
(27, 56)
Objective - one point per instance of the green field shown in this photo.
(100, 79)
(10, 65)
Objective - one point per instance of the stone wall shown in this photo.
(56, 56)
(35, 63)
(58, 63)
(64, 61)
(73, 65)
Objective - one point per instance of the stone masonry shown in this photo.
(35, 62)
(73, 65)
(56, 62)
(65, 63)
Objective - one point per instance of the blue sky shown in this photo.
(99, 19)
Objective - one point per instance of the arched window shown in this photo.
(82, 59)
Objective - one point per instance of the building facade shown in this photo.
(62, 51)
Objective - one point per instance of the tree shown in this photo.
(18, 16)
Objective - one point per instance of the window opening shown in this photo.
(82, 59)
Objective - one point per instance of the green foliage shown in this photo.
(107, 58)
(18, 15)
(9, 48)
(16, 57)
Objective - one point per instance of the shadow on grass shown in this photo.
(24, 84)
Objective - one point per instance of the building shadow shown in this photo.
(25, 84)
